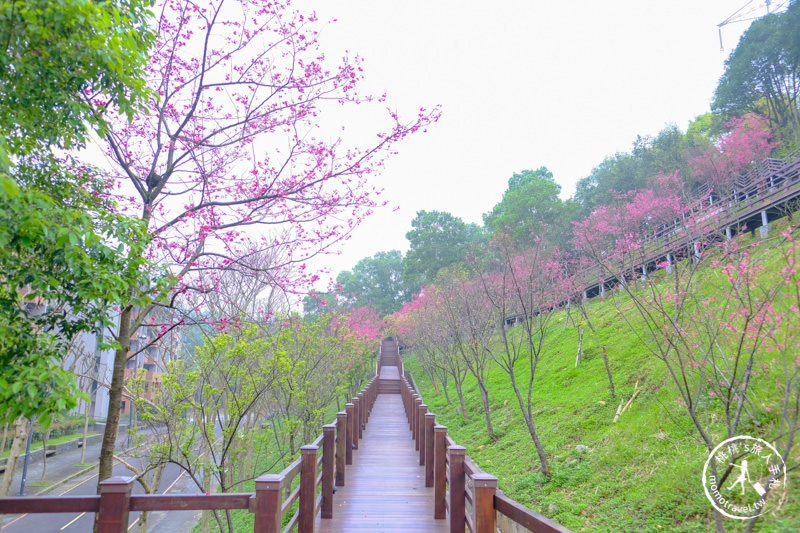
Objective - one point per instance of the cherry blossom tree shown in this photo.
(720, 324)
(420, 324)
(233, 144)
(470, 322)
(618, 237)
(523, 287)
(749, 140)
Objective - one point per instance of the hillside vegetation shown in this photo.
(642, 473)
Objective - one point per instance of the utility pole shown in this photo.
(27, 457)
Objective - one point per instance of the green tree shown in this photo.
(530, 206)
(66, 64)
(60, 277)
(623, 172)
(437, 240)
(317, 303)
(762, 74)
(375, 281)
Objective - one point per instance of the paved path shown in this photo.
(385, 486)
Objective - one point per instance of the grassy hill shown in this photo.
(642, 473)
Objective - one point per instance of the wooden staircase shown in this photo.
(390, 367)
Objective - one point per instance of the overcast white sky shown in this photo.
(522, 84)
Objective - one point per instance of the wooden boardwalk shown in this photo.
(385, 486)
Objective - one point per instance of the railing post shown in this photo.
(348, 443)
(412, 404)
(356, 417)
(440, 471)
(430, 421)
(267, 509)
(457, 489)
(362, 419)
(416, 410)
(115, 493)
(308, 488)
(423, 409)
(485, 516)
(328, 439)
(341, 442)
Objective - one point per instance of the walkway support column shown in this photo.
(363, 418)
(356, 421)
(268, 503)
(457, 489)
(115, 494)
(308, 489)
(430, 421)
(416, 411)
(341, 453)
(423, 409)
(485, 487)
(348, 443)
(440, 472)
(328, 440)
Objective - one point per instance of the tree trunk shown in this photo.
(21, 428)
(155, 483)
(528, 416)
(608, 371)
(45, 438)
(115, 397)
(3, 442)
(205, 521)
(486, 412)
(444, 386)
(461, 400)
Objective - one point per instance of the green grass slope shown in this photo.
(642, 473)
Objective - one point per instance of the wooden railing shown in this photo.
(461, 489)
(321, 465)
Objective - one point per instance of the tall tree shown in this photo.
(526, 287)
(437, 240)
(227, 146)
(529, 206)
(376, 281)
(762, 74)
(624, 172)
(470, 321)
(66, 65)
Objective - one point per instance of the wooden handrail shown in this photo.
(526, 517)
(189, 502)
